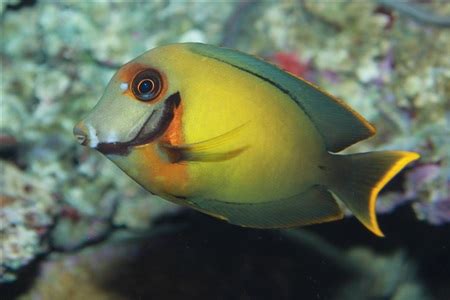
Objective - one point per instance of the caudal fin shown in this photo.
(358, 178)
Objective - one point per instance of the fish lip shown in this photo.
(142, 137)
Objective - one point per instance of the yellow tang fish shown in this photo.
(237, 138)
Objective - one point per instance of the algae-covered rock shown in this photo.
(27, 212)
(54, 69)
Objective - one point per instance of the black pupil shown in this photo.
(145, 86)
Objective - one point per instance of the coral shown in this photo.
(390, 68)
(53, 71)
(374, 275)
(5, 3)
(78, 276)
(384, 277)
(290, 62)
(182, 259)
(27, 211)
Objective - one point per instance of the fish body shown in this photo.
(237, 138)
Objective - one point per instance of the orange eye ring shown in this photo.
(147, 85)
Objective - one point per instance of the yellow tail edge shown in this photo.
(406, 158)
(358, 178)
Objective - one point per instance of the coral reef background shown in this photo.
(68, 215)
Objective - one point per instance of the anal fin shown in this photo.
(316, 205)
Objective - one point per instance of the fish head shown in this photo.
(136, 108)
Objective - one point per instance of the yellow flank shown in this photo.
(283, 147)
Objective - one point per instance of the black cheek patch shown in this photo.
(142, 138)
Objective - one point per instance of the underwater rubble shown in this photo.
(27, 213)
(58, 197)
(182, 260)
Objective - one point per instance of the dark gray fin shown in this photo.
(359, 178)
(316, 205)
(339, 125)
(206, 151)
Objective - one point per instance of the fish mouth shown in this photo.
(155, 126)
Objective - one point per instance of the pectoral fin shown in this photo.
(214, 149)
(316, 205)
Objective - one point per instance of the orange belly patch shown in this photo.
(158, 174)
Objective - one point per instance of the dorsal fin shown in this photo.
(339, 125)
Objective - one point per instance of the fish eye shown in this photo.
(147, 85)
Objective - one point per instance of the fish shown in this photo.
(239, 139)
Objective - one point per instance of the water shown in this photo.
(74, 226)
